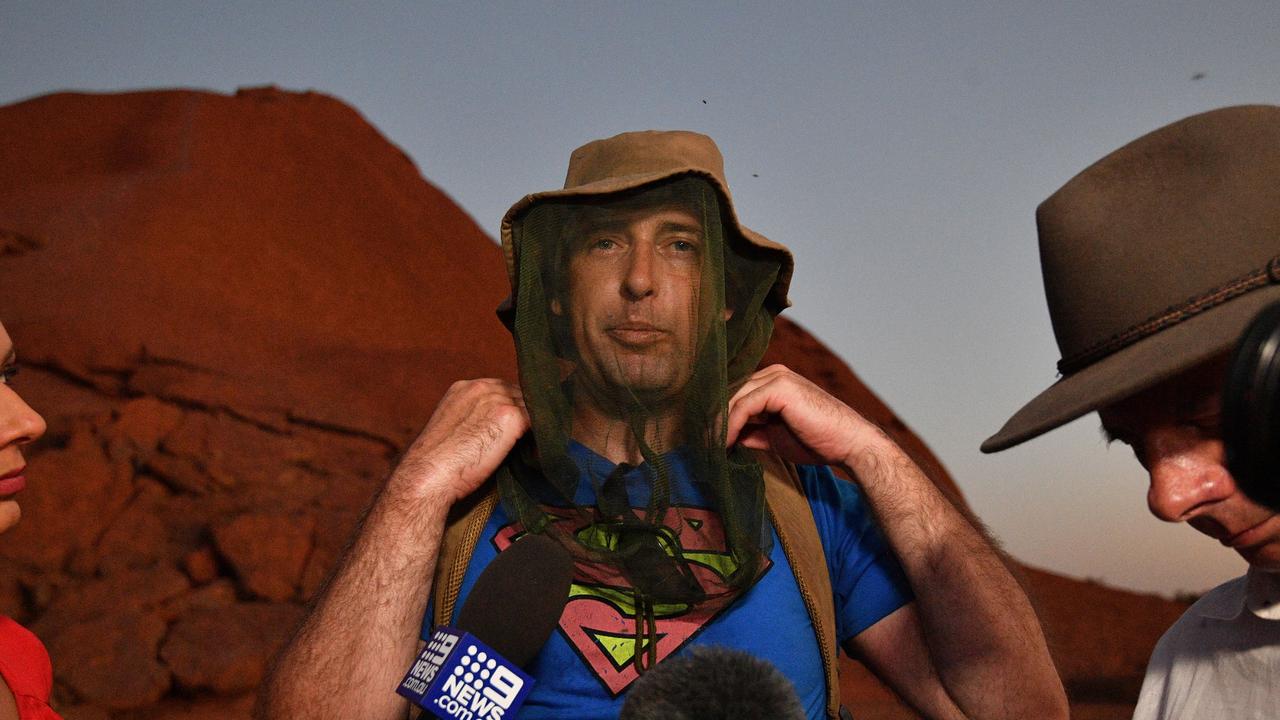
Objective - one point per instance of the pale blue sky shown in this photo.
(899, 148)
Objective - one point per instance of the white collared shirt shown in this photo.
(1221, 659)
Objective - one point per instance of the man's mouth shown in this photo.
(635, 334)
(13, 482)
(1249, 536)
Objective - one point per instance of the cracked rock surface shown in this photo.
(234, 311)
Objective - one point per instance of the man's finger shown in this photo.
(746, 404)
(753, 383)
(755, 438)
(737, 417)
(775, 369)
(761, 401)
(764, 376)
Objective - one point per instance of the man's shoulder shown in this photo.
(839, 509)
(1224, 602)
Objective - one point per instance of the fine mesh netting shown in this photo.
(635, 315)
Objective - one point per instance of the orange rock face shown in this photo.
(233, 311)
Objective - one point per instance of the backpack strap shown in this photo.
(793, 521)
(461, 532)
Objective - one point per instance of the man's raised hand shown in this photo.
(780, 411)
(473, 428)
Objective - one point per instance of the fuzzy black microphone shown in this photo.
(713, 683)
(517, 601)
(1251, 409)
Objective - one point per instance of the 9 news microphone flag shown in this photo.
(459, 677)
(472, 672)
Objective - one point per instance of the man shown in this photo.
(1155, 259)
(643, 441)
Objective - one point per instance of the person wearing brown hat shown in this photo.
(1155, 259)
(692, 491)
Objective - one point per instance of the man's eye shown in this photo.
(1127, 442)
(1141, 458)
(7, 374)
(1208, 425)
(684, 246)
(603, 244)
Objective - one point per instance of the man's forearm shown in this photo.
(361, 635)
(982, 634)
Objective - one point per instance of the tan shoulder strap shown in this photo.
(793, 520)
(461, 531)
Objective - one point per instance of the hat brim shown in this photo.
(1133, 369)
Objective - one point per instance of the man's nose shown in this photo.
(638, 282)
(1188, 474)
(19, 424)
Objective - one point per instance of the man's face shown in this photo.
(1174, 429)
(632, 300)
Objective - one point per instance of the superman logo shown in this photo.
(599, 621)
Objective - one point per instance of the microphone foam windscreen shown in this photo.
(517, 601)
(713, 683)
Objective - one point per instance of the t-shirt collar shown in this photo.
(1258, 592)
(1262, 594)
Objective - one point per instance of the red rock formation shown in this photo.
(233, 311)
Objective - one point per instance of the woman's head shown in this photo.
(19, 425)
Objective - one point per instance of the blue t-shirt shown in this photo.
(585, 668)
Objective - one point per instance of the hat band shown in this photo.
(1268, 275)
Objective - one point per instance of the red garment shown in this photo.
(25, 667)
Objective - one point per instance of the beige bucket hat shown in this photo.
(1155, 258)
(635, 160)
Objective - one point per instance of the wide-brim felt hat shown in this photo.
(1155, 259)
(636, 160)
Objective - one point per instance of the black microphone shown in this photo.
(518, 600)
(1251, 409)
(473, 669)
(713, 683)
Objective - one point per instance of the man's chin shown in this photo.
(646, 380)
(647, 385)
(647, 393)
(1263, 557)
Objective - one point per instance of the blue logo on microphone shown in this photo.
(458, 677)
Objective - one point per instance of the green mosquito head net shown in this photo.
(636, 314)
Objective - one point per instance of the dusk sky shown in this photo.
(900, 150)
